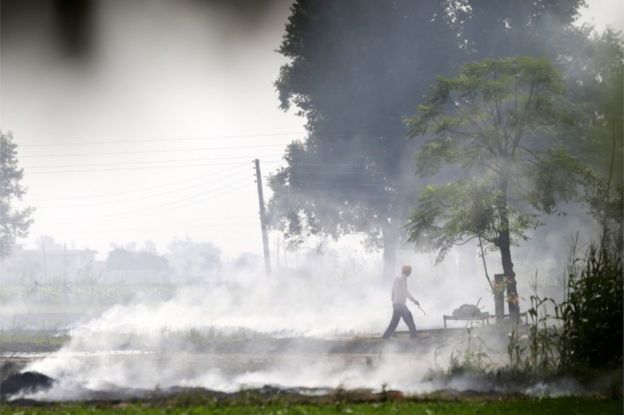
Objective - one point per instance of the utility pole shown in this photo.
(263, 225)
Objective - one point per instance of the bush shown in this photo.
(592, 314)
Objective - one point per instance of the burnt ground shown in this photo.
(46, 341)
(238, 355)
(235, 355)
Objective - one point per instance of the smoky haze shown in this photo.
(188, 76)
(136, 124)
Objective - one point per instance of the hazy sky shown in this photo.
(142, 125)
(155, 70)
(604, 13)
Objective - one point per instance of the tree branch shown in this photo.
(465, 241)
(531, 153)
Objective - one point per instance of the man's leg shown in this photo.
(394, 322)
(409, 320)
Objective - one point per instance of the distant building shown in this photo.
(125, 266)
(49, 264)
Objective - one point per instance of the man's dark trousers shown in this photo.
(400, 311)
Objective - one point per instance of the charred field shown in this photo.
(259, 375)
(230, 206)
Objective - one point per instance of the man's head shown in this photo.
(406, 270)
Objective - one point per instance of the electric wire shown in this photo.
(181, 202)
(143, 197)
(122, 163)
(153, 209)
(144, 168)
(215, 137)
(160, 186)
(195, 226)
(334, 183)
(172, 150)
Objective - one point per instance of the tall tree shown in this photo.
(500, 124)
(596, 76)
(499, 28)
(14, 222)
(354, 69)
(357, 68)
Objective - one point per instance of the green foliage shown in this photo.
(516, 352)
(459, 211)
(14, 222)
(543, 338)
(585, 331)
(353, 69)
(304, 201)
(32, 340)
(493, 100)
(594, 77)
(472, 359)
(593, 315)
(434, 405)
(504, 28)
(536, 353)
(595, 68)
(80, 297)
(496, 129)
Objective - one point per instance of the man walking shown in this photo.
(400, 294)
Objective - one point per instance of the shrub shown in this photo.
(592, 315)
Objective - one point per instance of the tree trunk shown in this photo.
(390, 236)
(504, 245)
(510, 277)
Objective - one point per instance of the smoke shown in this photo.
(316, 325)
(272, 327)
(315, 329)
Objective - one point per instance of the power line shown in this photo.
(364, 196)
(334, 182)
(216, 137)
(157, 208)
(152, 151)
(164, 185)
(122, 163)
(144, 168)
(194, 225)
(361, 196)
(329, 164)
(358, 195)
(143, 197)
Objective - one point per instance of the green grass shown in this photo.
(571, 406)
(81, 296)
(35, 338)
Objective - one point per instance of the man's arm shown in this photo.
(412, 299)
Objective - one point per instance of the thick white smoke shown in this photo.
(248, 330)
